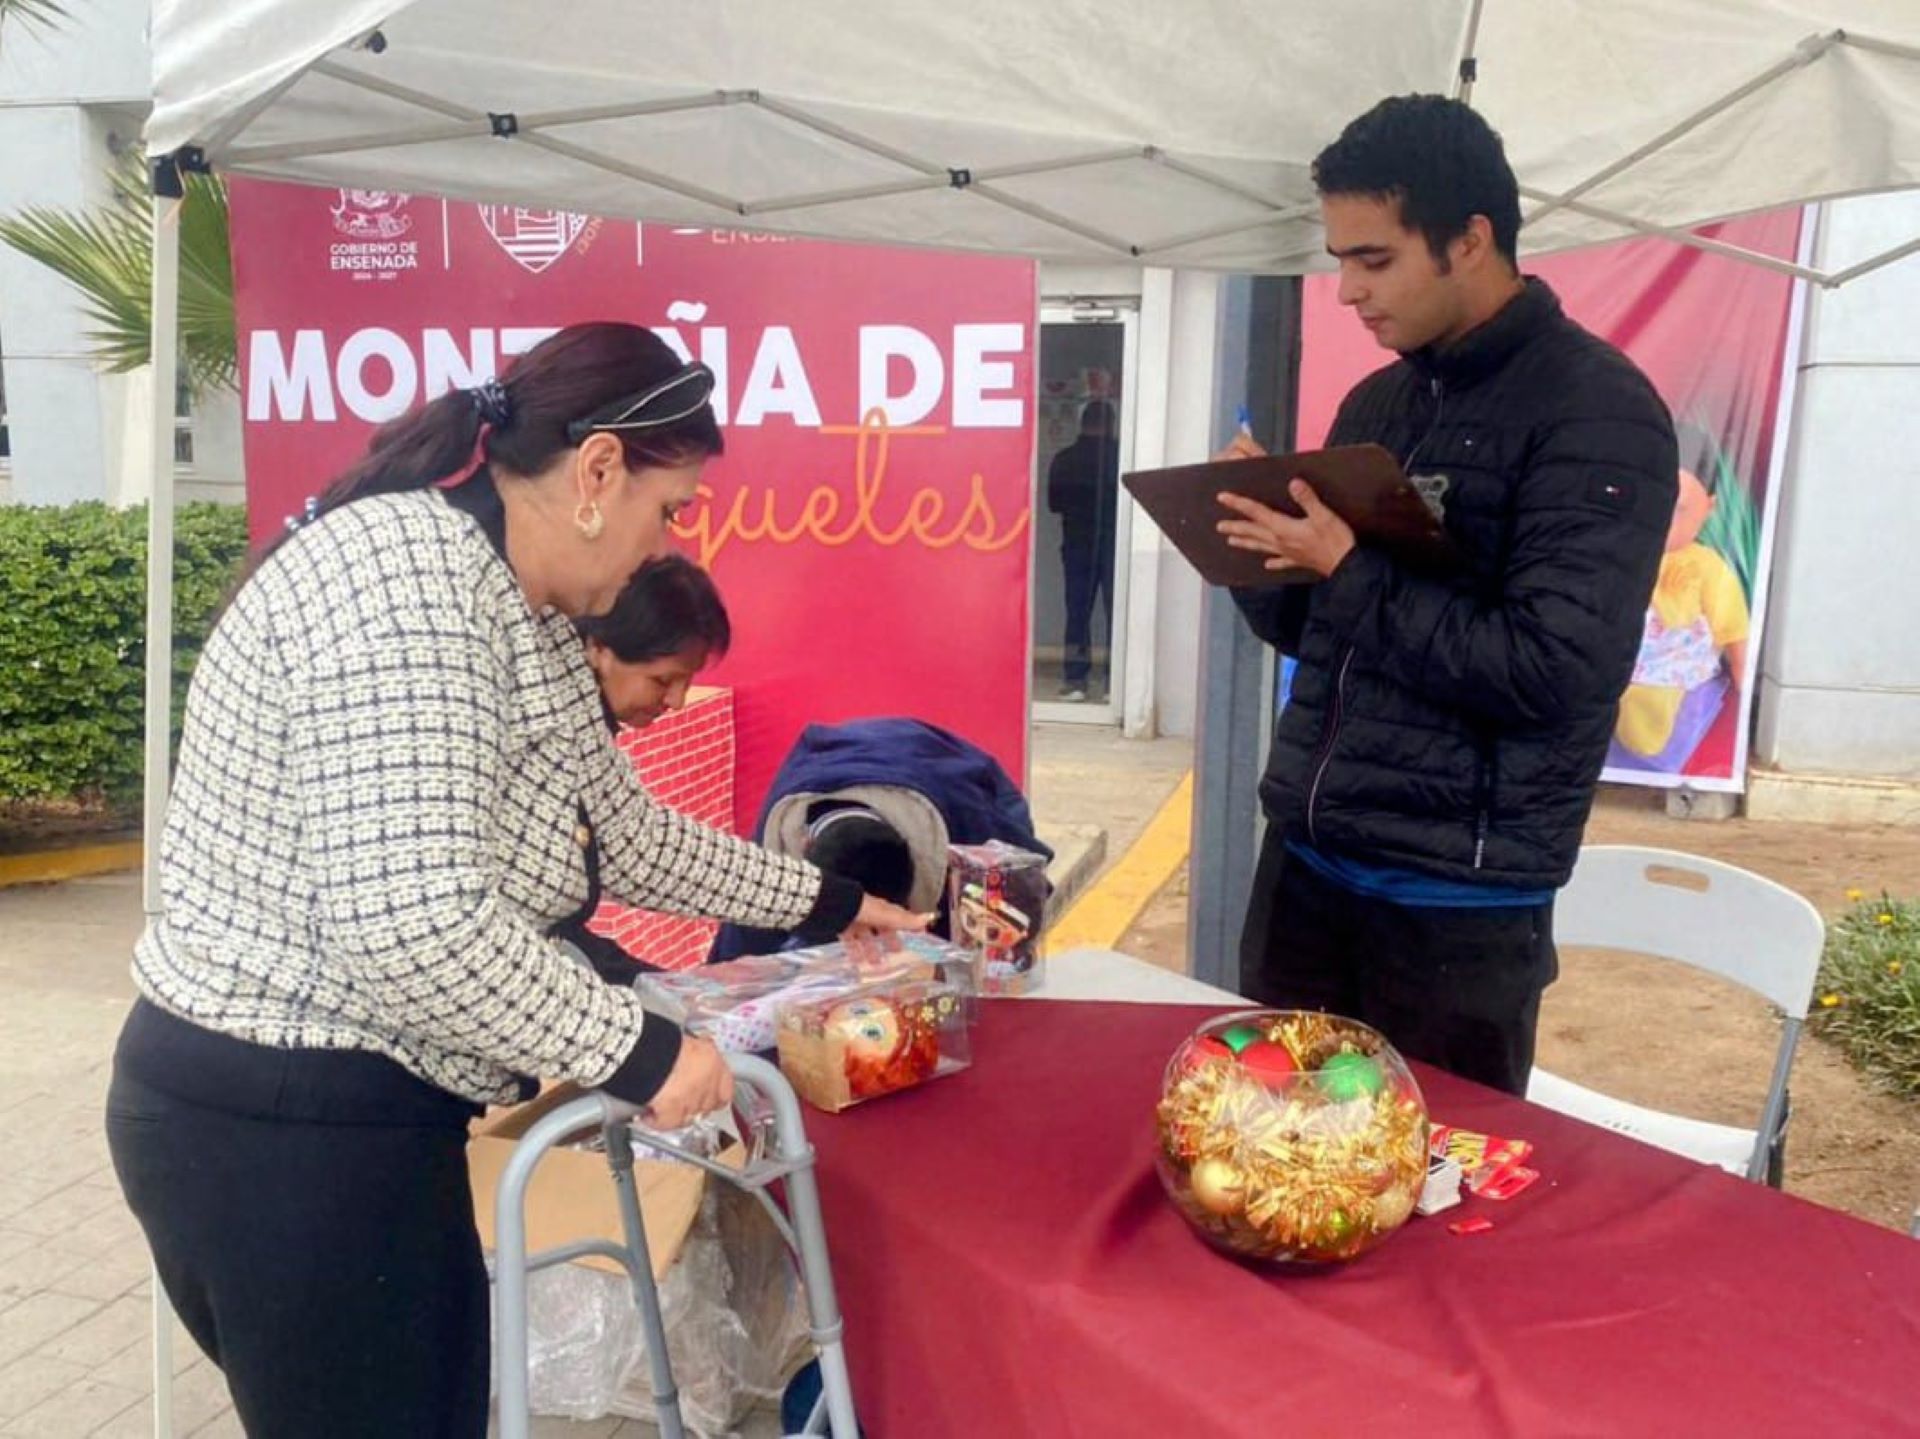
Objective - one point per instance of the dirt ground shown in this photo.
(1675, 1039)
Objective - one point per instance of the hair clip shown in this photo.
(309, 512)
(493, 404)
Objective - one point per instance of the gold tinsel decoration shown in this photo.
(1285, 1170)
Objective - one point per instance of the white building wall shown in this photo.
(1193, 355)
(1840, 668)
(69, 99)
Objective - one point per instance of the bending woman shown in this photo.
(668, 624)
(393, 767)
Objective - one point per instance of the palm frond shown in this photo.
(91, 251)
(107, 254)
(41, 15)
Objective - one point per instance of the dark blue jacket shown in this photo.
(966, 784)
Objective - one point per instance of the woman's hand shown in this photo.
(874, 930)
(878, 917)
(698, 1084)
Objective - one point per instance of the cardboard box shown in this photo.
(571, 1195)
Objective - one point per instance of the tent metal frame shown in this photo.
(461, 122)
(225, 149)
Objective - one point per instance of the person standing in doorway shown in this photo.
(1432, 773)
(1083, 489)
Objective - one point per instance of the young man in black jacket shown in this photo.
(1433, 769)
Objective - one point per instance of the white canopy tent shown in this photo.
(1176, 135)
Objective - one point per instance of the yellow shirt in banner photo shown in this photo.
(1698, 609)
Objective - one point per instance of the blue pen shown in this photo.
(1245, 420)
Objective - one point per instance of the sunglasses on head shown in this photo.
(672, 400)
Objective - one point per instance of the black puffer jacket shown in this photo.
(1458, 727)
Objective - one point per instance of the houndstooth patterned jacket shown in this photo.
(377, 812)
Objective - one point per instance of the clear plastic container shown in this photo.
(997, 906)
(842, 1049)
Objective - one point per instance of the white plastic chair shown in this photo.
(1716, 918)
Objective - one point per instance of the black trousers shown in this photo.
(1086, 563)
(1458, 988)
(310, 1218)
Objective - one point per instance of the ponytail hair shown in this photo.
(518, 424)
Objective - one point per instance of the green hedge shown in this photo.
(73, 596)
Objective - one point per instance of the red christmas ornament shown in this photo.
(1270, 1061)
(1203, 1050)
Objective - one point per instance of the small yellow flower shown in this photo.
(1883, 918)
(1854, 896)
(1829, 1001)
(1894, 966)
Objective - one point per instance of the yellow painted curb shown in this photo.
(46, 866)
(1113, 902)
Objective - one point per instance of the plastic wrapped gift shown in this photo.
(737, 1004)
(734, 1004)
(903, 955)
(840, 1049)
(997, 906)
(1291, 1136)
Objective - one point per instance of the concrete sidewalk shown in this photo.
(74, 1296)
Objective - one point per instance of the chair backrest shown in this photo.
(1713, 916)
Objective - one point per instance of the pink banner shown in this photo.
(869, 521)
(1711, 332)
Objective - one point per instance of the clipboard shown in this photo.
(1363, 484)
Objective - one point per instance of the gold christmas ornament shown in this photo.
(1220, 1188)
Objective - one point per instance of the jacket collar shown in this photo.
(552, 677)
(478, 496)
(1483, 350)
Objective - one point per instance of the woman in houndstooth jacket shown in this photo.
(393, 767)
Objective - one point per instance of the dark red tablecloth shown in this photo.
(1008, 1265)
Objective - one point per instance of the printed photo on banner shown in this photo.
(1711, 332)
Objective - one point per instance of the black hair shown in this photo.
(669, 605)
(1700, 453)
(1100, 411)
(1438, 158)
(860, 846)
(519, 422)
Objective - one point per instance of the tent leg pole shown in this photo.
(167, 199)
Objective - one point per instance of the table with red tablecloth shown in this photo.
(1008, 1265)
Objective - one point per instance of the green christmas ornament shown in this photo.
(1334, 1236)
(1240, 1036)
(1350, 1076)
